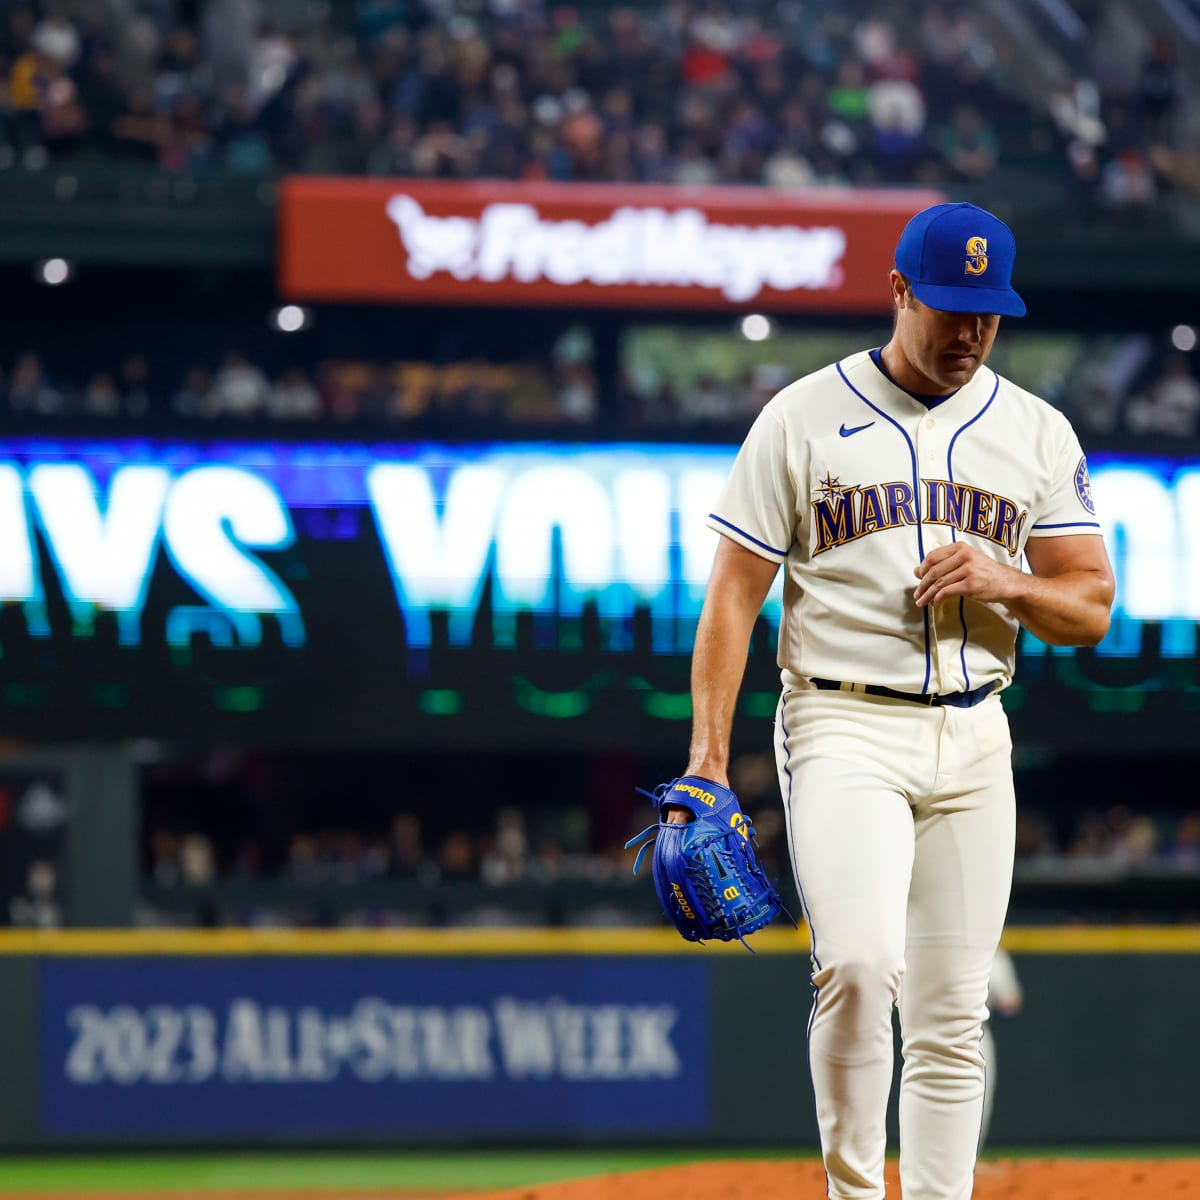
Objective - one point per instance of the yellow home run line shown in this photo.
(1124, 939)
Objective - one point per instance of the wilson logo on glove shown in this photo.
(696, 793)
(706, 872)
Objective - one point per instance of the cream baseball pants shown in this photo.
(901, 824)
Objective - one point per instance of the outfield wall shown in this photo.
(537, 1037)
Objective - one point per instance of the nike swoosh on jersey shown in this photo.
(857, 429)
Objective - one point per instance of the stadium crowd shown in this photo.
(1140, 391)
(517, 863)
(681, 91)
(253, 824)
(234, 390)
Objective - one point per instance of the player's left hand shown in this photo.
(961, 570)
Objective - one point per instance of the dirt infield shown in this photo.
(1003, 1179)
(1028, 1179)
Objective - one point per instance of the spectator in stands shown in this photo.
(40, 907)
(30, 391)
(163, 850)
(100, 396)
(303, 860)
(575, 385)
(187, 140)
(506, 859)
(1133, 837)
(1173, 404)
(1119, 836)
(709, 401)
(1183, 853)
(897, 115)
(1127, 183)
(1178, 169)
(670, 93)
(673, 94)
(47, 113)
(1034, 839)
(55, 37)
(239, 388)
(441, 153)
(343, 387)
(292, 397)
(191, 400)
(409, 859)
(180, 68)
(1159, 89)
(103, 99)
(1089, 840)
(969, 145)
(139, 131)
(396, 153)
(458, 857)
(135, 385)
(197, 862)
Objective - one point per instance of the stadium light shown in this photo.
(1183, 337)
(291, 318)
(756, 327)
(53, 271)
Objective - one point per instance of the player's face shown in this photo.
(944, 349)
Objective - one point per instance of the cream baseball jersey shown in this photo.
(851, 481)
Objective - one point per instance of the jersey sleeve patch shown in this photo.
(1083, 486)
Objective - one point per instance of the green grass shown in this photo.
(215, 1171)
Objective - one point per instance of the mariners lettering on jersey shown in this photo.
(846, 512)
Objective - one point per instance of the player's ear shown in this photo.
(901, 293)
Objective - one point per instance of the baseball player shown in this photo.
(899, 488)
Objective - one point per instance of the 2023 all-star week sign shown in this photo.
(590, 245)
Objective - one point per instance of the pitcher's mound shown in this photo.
(1000, 1179)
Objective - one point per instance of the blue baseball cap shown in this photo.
(959, 258)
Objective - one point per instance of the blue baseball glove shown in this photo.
(706, 872)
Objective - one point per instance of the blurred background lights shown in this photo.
(756, 327)
(1183, 337)
(291, 318)
(54, 271)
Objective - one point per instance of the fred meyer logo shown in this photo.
(634, 247)
(374, 1042)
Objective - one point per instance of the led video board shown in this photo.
(493, 595)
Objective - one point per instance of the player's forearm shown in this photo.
(737, 587)
(1071, 609)
(718, 664)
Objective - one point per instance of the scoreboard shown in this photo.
(477, 595)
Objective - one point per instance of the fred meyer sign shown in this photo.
(590, 245)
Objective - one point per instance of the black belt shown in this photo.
(954, 699)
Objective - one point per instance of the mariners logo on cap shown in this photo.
(977, 258)
(1083, 486)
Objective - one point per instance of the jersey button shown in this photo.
(929, 422)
